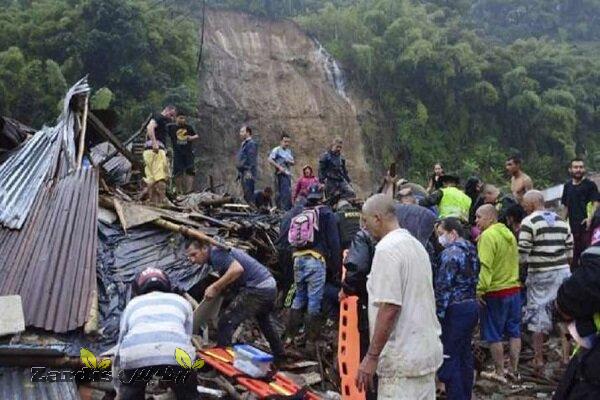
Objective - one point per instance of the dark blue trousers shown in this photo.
(248, 188)
(457, 330)
(284, 191)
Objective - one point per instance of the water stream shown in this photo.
(333, 72)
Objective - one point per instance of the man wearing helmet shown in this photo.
(255, 287)
(154, 324)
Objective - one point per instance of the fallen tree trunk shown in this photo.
(193, 233)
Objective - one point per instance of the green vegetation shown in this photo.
(463, 82)
(454, 95)
(466, 82)
(140, 52)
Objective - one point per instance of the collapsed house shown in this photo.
(72, 240)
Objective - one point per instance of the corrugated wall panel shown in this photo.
(51, 261)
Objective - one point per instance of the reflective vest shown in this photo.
(455, 203)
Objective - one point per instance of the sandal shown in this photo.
(494, 376)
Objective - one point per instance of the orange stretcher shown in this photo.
(222, 360)
(349, 348)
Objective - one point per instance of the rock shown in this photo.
(12, 319)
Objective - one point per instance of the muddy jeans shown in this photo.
(309, 276)
(251, 302)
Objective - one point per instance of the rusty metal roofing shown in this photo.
(23, 173)
(51, 261)
(15, 384)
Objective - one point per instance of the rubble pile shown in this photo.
(76, 232)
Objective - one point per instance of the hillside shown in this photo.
(275, 78)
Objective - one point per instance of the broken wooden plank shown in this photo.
(108, 135)
(83, 131)
(224, 224)
(193, 233)
(128, 141)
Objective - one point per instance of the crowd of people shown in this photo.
(428, 266)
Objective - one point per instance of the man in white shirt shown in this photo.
(405, 348)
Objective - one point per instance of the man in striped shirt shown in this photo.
(545, 249)
(153, 325)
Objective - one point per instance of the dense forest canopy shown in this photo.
(142, 53)
(463, 82)
(466, 82)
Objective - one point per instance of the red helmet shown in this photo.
(150, 279)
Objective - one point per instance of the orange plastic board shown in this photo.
(222, 360)
(349, 348)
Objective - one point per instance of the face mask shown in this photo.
(443, 240)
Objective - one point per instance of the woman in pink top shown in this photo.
(304, 183)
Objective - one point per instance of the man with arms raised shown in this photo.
(405, 348)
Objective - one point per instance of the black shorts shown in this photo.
(183, 162)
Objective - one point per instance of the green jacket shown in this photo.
(499, 256)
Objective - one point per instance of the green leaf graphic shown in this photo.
(198, 364)
(88, 358)
(183, 359)
(104, 364)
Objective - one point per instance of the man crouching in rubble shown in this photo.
(256, 291)
(154, 324)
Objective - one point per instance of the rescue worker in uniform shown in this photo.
(451, 201)
(333, 173)
(348, 221)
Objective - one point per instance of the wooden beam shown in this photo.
(108, 135)
(125, 143)
(82, 132)
(193, 233)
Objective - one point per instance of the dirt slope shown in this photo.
(273, 77)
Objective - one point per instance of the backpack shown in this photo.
(302, 228)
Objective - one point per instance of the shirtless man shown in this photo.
(520, 182)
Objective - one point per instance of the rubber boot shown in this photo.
(314, 324)
(293, 324)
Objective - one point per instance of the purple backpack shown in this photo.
(303, 227)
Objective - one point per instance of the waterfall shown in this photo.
(333, 72)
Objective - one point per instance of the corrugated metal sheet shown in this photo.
(22, 175)
(51, 261)
(15, 384)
